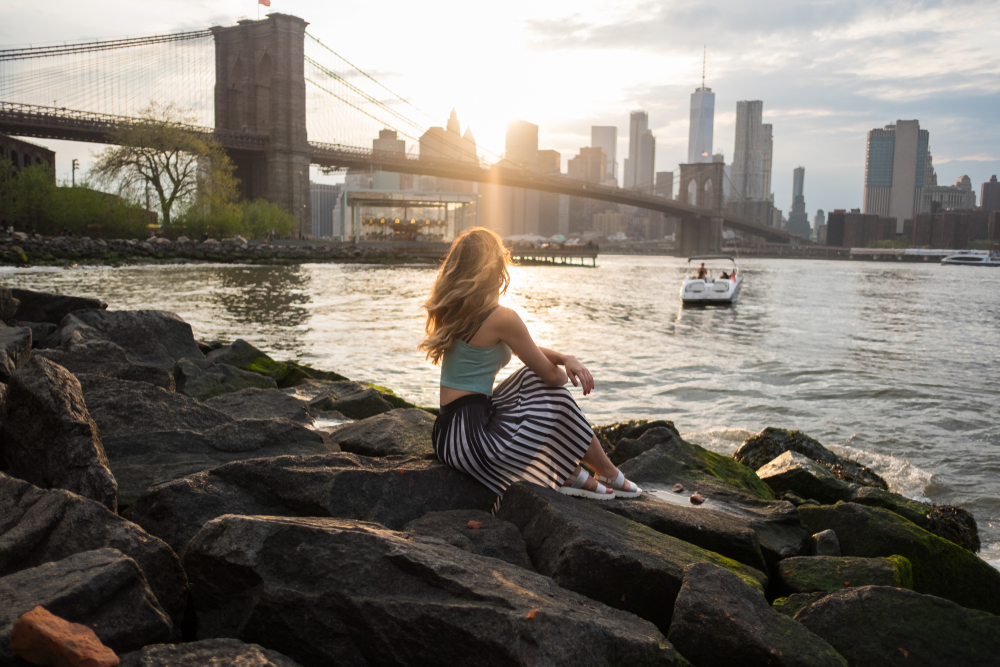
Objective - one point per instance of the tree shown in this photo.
(31, 191)
(261, 216)
(182, 166)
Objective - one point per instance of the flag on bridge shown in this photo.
(266, 3)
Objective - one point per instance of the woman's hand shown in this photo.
(579, 375)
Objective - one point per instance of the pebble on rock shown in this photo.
(697, 498)
(678, 488)
(43, 638)
(475, 525)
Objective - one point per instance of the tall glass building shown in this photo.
(895, 167)
(702, 125)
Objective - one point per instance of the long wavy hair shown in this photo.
(473, 274)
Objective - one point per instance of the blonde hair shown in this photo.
(472, 276)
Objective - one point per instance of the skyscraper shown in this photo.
(798, 219)
(590, 165)
(765, 173)
(818, 221)
(748, 155)
(637, 125)
(895, 171)
(664, 184)
(990, 195)
(522, 142)
(606, 137)
(702, 122)
(645, 168)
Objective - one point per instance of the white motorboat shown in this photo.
(972, 258)
(711, 284)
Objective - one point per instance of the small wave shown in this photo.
(719, 440)
(902, 476)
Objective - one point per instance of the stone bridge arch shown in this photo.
(701, 185)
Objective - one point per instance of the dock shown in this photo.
(567, 255)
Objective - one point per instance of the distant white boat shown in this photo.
(972, 258)
(709, 288)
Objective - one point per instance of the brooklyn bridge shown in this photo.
(280, 100)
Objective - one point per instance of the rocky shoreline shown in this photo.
(196, 503)
(23, 250)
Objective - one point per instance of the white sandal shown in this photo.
(618, 482)
(576, 489)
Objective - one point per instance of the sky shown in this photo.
(827, 71)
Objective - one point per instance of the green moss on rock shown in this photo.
(815, 574)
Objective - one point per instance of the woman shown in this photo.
(528, 428)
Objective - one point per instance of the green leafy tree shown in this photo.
(261, 216)
(31, 194)
(181, 166)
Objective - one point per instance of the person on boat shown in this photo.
(702, 272)
(527, 428)
(724, 276)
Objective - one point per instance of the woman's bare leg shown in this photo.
(599, 461)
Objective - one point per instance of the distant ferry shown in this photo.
(972, 258)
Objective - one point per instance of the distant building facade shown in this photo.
(24, 153)
(989, 197)
(748, 153)
(957, 197)
(324, 200)
(637, 126)
(798, 219)
(589, 165)
(819, 220)
(522, 142)
(768, 161)
(857, 230)
(897, 168)
(664, 184)
(702, 125)
(606, 137)
(449, 143)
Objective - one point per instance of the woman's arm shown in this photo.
(512, 330)
(577, 372)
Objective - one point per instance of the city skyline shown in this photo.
(843, 73)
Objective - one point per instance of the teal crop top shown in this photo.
(471, 368)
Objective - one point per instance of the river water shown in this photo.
(894, 365)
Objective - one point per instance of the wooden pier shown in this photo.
(567, 255)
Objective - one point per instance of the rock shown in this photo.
(206, 653)
(141, 460)
(115, 405)
(940, 567)
(611, 435)
(104, 358)
(44, 639)
(308, 389)
(474, 531)
(876, 626)
(793, 604)
(103, 590)
(405, 431)
(38, 527)
(392, 491)
(825, 543)
(394, 599)
(15, 348)
(720, 620)
(606, 557)
(804, 477)
(8, 304)
(697, 499)
(358, 405)
(816, 574)
(40, 331)
(48, 437)
(702, 527)
(261, 404)
(45, 307)
(202, 380)
(149, 337)
(952, 523)
(245, 356)
(669, 459)
(769, 444)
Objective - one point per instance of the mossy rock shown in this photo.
(796, 602)
(245, 356)
(816, 574)
(940, 567)
(667, 459)
(610, 435)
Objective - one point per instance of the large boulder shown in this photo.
(406, 431)
(206, 653)
(759, 450)
(391, 491)
(627, 434)
(40, 331)
(38, 527)
(48, 437)
(668, 459)
(799, 474)
(201, 379)
(940, 567)
(149, 337)
(44, 307)
(245, 356)
(353, 400)
(261, 404)
(719, 620)
(474, 531)
(102, 357)
(122, 408)
(141, 460)
(103, 590)
(15, 348)
(8, 304)
(876, 626)
(349, 593)
(604, 556)
(706, 528)
(817, 574)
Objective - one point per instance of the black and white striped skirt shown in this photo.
(527, 431)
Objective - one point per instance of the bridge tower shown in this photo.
(701, 185)
(260, 87)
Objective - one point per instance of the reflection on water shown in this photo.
(897, 361)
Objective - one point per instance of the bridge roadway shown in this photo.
(60, 123)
